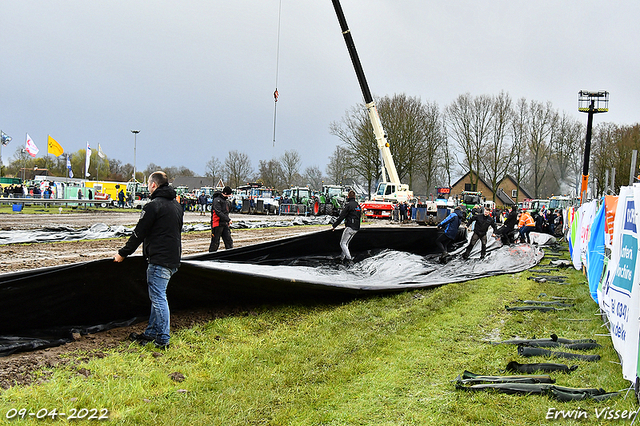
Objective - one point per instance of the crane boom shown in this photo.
(378, 130)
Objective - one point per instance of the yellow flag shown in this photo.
(54, 147)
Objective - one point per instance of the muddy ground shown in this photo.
(26, 368)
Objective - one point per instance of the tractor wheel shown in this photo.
(316, 208)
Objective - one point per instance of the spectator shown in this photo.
(220, 220)
(202, 203)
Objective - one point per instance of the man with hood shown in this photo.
(220, 220)
(159, 229)
(351, 216)
(450, 224)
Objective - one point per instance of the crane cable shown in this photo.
(275, 92)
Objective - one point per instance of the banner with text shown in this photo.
(619, 296)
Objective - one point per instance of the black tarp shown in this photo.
(49, 303)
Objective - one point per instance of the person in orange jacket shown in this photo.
(526, 225)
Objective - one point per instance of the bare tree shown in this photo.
(213, 169)
(413, 134)
(153, 167)
(360, 152)
(495, 159)
(520, 134)
(237, 167)
(542, 132)
(406, 121)
(613, 146)
(431, 156)
(339, 167)
(469, 124)
(313, 177)
(291, 162)
(270, 173)
(567, 152)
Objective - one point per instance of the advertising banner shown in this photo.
(611, 204)
(587, 213)
(595, 252)
(619, 299)
(575, 239)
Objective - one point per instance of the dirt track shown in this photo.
(30, 256)
(19, 369)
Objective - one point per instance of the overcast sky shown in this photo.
(196, 77)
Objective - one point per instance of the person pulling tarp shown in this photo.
(351, 216)
(450, 226)
(483, 221)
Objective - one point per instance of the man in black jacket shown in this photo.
(482, 224)
(220, 220)
(351, 216)
(159, 229)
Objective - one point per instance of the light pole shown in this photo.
(591, 103)
(135, 135)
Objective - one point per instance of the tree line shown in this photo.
(541, 148)
(489, 135)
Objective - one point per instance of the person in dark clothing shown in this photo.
(450, 225)
(159, 229)
(482, 223)
(121, 201)
(403, 212)
(351, 216)
(202, 203)
(539, 221)
(552, 221)
(505, 231)
(220, 220)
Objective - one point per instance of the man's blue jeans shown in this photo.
(158, 279)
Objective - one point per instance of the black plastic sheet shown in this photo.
(47, 303)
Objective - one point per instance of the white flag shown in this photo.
(69, 166)
(87, 161)
(31, 147)
(100, 153)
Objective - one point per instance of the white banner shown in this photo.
(587, 213)
(620, 296)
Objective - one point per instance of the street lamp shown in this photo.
(135, 135)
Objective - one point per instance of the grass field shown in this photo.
(387, 360)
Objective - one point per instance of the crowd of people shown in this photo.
(516, 226)
(24, 191)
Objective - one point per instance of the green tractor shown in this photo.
(331, 200)
(299, 201)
